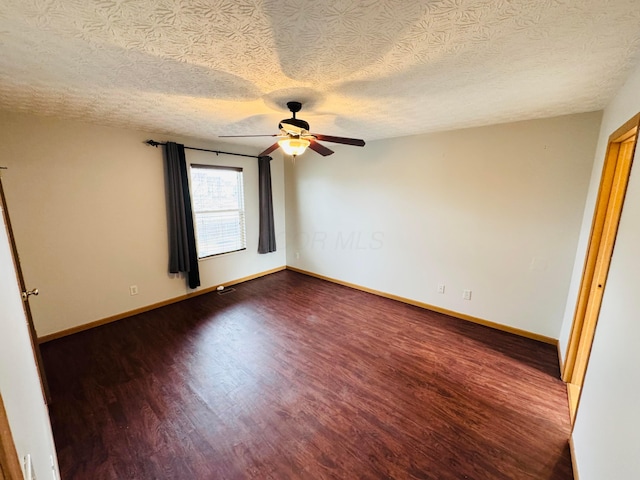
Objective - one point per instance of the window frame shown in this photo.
(243, 210)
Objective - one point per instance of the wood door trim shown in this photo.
(608, 211)
(9, 463)
(605, 252)
(595, 236)
(627, 130)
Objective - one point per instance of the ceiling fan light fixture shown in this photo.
(294, 133)
(294, 146)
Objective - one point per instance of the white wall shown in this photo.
(19, 382)
(88, 207)
(606, 434)
(496, 210)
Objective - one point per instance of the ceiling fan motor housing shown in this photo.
(293, 125)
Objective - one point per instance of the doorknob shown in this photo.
(28, 293)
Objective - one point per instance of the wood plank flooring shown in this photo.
(292, 377)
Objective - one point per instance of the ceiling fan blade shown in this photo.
(269, 150)
(240, 136)
(347, 141)
(321, 149)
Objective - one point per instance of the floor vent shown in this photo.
(226, 290)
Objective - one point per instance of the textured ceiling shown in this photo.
(364, 68)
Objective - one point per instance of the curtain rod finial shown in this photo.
(153, 143)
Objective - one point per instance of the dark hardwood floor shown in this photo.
(291, 377)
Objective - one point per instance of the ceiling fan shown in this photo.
(295, 137)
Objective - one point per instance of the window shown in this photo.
(218, 208)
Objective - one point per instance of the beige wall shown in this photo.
(607, 429)
(88, 207)
(496, 210)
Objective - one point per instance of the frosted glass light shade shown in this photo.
(294, 146)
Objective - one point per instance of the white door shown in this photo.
(26, 411)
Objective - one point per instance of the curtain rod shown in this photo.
(153, 143)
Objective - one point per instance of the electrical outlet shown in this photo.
(53, 468)
(466, 294)
(28, 468)
(297, 255)
(441, 288)
(133, 290)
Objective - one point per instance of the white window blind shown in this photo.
(218, 207)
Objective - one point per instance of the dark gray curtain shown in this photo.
(267, 240)
(183, 256)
